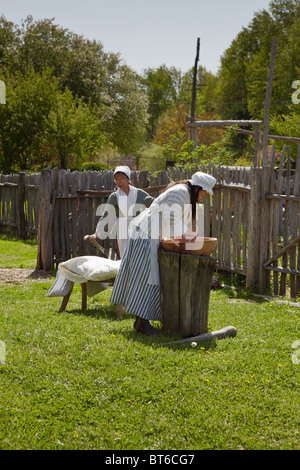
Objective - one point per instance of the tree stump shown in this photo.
(185, 283)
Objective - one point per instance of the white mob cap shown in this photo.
(123, 169)
(204, 180)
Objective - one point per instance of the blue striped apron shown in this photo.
(131, 287)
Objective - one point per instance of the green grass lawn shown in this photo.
(15, 253)
(83, 380)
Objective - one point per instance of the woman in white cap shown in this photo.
(121, 206)
(137, 284)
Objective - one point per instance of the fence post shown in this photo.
(21, 220)
(45, 250)
(264, 275)
(253, 262)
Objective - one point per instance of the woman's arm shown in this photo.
(108, 217)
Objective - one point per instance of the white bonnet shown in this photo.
(123, 169)
(204, 180)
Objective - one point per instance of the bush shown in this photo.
(183, 153)
(93, 166)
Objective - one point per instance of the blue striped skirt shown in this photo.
(131, 287)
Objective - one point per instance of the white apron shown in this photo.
(124, 202)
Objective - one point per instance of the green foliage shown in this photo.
(152, 159)
(286, 125)
(206, 98)
(183, 153)
(126, 116)
(93, 166)
(42, 125)
(162, 86)
(46, 66)
(245, 64)
(73, 131)
(29, 100)
(88, 97)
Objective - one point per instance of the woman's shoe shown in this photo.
(143, 326)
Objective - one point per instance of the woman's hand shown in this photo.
(188, 239)
(190, 235)
(90, 237)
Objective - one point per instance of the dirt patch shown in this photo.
(11, 275)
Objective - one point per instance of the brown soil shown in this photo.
(11, 275)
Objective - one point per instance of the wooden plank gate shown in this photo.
(281, 227)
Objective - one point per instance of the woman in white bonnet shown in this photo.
(137, 284)
(121, 206)
(125, 202)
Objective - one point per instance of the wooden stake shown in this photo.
(194, 94)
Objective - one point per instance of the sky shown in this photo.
(148, 33)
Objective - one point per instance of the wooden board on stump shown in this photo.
(185, 282)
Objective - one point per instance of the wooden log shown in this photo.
(292, 140)
(169, 279)
(185, 283)
(228, 331)
(198, 123)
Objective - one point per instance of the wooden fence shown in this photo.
(254, 213)
(19, 204)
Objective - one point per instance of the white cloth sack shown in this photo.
(92, 270)
(89, 268)
(60, 287)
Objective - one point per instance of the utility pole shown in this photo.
(194, 95)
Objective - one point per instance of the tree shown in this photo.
(97, 78)
(232, 87)
(162, 87)
(29, 100)
(245, 64)
(206, 91)
(171, 122)
(9, 42)
(126, 117)
(41, 125)
(286, 125)
(72, 132)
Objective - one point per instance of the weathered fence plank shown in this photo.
(45, 249)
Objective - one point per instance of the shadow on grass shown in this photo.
(14, 239)
(159, 340)
(109, 312)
